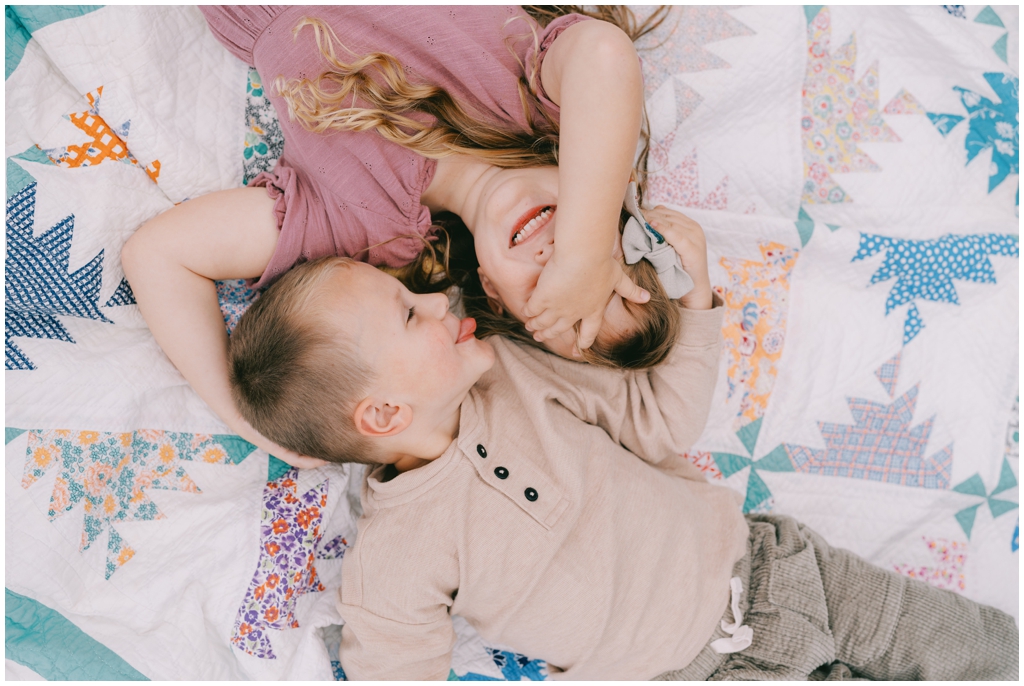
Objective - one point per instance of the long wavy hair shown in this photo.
(371, 92)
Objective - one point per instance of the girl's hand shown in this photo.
(245, 430)
(687, 238)
(576, 289)
(293, 458)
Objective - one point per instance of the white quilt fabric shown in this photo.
(855, 170)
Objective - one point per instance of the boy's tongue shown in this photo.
(466, 328)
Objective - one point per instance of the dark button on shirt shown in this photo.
(531, 494)
(482, 450)
(501, 473)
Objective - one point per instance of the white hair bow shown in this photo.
(640, 241)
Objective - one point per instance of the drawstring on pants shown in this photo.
(740, 635)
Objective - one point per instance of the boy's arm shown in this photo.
(660, 412)
(171, 263)
(656, 413)
(376, 648)
(397, 587)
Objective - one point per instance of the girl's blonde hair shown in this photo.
(390, 101)
(373, 93)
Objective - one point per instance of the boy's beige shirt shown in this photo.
(562, 523)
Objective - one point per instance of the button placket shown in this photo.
(522, 487)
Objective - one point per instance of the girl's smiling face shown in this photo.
(513, 224)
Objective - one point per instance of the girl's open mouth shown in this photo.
(530, 223)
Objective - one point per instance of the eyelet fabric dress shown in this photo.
(355, 193)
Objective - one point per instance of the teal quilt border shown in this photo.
(46, 642)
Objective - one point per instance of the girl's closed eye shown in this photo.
(412, 311)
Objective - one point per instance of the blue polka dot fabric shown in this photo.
(925, 270)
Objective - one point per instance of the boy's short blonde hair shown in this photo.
(295, 378)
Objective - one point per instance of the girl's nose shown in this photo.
(544, 252)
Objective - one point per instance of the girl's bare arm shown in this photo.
(592, 72)
(172, 262)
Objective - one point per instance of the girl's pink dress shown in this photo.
(339, 193)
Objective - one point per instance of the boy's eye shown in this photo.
(412, 311)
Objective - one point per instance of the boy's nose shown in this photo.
(438, 304)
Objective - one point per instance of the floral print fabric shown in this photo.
(838, 114)
(757, 298)
(109, 474)
(290, 530)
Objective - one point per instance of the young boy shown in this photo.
(547, 503)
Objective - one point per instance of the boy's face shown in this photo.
(417, 351)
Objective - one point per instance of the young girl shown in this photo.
(393, 115)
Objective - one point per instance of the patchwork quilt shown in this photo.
(856, 170)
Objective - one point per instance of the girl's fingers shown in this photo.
(532, 322)
(554, 331)
(543, 321)
(630, 291)
(534, 309)
(588, 331)
(296, 460)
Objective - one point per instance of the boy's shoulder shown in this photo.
(546, 368)
(528, 375)
(414, 511)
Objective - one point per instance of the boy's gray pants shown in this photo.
(812, 606)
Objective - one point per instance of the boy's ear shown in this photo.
(492, 293)
(376, 418)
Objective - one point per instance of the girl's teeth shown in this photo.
(530, 227)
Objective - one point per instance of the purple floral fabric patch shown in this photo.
(290, 530)
(334, 549)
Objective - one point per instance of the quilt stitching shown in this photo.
(105, 142)
(838, 114)
(39, 283)
(758, 494)
(881, 445)
(975, 486)
(682, 50)
(991, 125)
(947, 569)
(680, 185)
